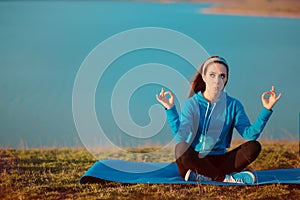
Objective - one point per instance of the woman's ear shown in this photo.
(203, 78)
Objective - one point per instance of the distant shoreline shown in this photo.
(264, 8)
(150, 147)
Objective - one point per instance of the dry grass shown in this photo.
(54, 174)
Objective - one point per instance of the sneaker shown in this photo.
(244, 177)
(192, 176)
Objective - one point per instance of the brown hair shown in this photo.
(198, 84)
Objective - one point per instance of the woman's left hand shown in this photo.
(269, 102)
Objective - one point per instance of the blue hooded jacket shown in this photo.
(208, 127)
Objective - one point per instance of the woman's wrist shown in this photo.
(268, 107)
(168, 107)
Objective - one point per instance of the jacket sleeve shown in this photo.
(173, 119)
(243, 125)
(181, 125)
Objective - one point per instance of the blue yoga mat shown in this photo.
(167, 173)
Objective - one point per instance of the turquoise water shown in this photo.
(42, 45)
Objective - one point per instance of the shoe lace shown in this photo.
(234, 180)
(200, 177)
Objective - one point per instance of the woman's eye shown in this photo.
(223, 76)
(212, 75)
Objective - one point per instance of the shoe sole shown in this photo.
(252, 176)
(187, 175)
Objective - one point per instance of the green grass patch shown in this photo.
(54, 174)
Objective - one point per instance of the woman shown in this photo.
(204, 129)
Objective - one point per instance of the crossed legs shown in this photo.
(216, 166)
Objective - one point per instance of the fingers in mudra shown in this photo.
(164, 100)
(270, 98)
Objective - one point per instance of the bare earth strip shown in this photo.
(274, 8)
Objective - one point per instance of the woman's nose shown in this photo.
(218, 79)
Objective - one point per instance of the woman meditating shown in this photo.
(204, 128)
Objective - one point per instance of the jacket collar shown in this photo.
(202, 100)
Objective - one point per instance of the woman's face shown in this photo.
(215, 78)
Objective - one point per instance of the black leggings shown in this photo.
(216, 166)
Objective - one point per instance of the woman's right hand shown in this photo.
(162, 98)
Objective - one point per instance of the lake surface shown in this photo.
(43, 44)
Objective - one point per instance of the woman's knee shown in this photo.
(255, 145)
(184, 152)
(254, 148)
(180, 149)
